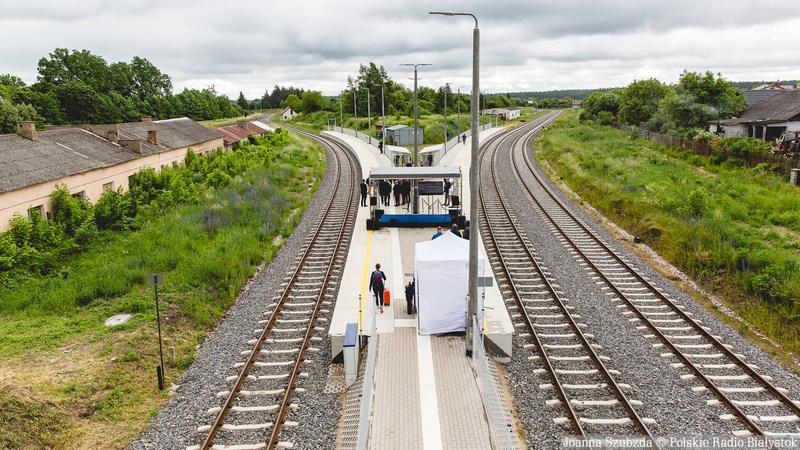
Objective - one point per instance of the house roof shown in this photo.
(398, 127)
(236, 132)
(55, 154)
(172, 133)
(780, 107)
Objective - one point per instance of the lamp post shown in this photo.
(446, 85)
(474, 180)
(369, 116)
(458, 107)
(383, 123)
(355, 110)
(415, 193)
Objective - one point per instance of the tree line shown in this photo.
(362, 94)
(74, 87)
(683, 109)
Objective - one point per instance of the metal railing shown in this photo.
(367, 389)
(501, 425)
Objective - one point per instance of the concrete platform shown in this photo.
(425, 395)
(384, 246)
(497, 325)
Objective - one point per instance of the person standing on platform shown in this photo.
(447, 185)
(407, 192)
(439, 232)
(455, 231)
(452, 191)
(465, 234)
(376, 283)
(364, 190)
(464, 138)
(397, 191)
(380, 146)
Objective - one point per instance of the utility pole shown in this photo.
(458, 106)
(355, 110)
(415, 193)
(369, 118)
(474, 180)
(383, 122)
(445, 119)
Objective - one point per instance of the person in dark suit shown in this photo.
(364, 190)
(455, 231)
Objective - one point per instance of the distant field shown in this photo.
(735, 230)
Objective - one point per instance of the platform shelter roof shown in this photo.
(414, 173)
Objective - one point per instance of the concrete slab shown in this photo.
(117, 319)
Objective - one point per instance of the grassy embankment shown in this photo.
(430, 124)
(66, 380)
(733, 229)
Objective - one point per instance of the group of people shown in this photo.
(464, 234)
(450, 191)
(400, 188)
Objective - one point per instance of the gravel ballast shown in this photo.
(175, 427)
(667, 398)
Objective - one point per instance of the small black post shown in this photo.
(156, 279)
(160, 348)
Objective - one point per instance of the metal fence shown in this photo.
(501, 425)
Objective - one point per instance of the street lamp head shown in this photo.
(449, 13)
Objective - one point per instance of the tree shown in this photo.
(294, 102)
(598, 102)
(241, 101)
(313, 101)
(639, 101)
(699, 99)
(78, 100)
(148, 81)
(10, 114)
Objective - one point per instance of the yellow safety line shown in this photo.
(364, 277)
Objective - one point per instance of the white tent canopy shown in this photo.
(441, 269)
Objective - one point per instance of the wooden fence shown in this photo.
(784, 165)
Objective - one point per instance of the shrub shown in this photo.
(739, 148)
(113, 211)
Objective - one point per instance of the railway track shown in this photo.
(749, 397)
(585, 387)
(258, 405)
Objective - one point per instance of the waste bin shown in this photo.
(410, 298)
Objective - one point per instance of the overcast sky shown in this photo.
(250, 46)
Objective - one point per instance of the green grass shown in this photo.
(736, 230)
(100, 381)
(29, 424)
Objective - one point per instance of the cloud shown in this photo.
(532, 45)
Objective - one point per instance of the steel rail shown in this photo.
(280, 416)
(754, 428)
(493, 145)
(230, 399)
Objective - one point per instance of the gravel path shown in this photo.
(667, 398)
(318, 413)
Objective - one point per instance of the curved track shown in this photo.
(258, 405)
(750, 397)
(586, 389)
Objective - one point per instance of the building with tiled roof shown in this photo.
(768, 119)
(89, 159)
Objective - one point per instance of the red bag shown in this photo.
(387, 297)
